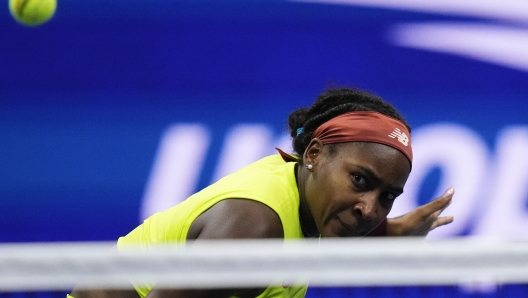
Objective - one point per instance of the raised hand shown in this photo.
(423, 219)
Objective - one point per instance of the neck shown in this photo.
(307, 222)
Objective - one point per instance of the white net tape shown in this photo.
(339, 262)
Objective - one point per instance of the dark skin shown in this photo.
(348, 192)
(228, 219)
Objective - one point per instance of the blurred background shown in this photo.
(114, 110)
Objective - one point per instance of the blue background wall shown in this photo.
(86, 98)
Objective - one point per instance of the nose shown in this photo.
(367, 207)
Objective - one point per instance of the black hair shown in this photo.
(330, 104)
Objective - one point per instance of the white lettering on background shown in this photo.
(181, 153)
(176, 168)
(284, 143)
(506, 212)
(462, 157)
(491, 197)
(243, 145)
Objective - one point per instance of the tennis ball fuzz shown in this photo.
(32, 12)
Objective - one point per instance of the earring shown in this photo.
(308, 167)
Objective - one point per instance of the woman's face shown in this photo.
(350, 191)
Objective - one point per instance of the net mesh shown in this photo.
(380, 267)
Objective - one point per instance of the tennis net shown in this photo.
(386, 266)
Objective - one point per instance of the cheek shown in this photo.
(383, 212)
(384, 208)
(322, 198)
(381, 217)
(314, 197)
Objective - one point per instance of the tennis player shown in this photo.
(352, 159)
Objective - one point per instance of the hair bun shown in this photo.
(296, 120)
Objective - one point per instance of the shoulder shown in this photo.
(270, 178)
(273, 164)
(237, 219)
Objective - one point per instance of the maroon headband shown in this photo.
(366, 127)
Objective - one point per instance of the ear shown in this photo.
(313, 151)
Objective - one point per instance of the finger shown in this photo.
(441, 221)
(438, 204)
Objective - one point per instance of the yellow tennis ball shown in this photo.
(32, 12)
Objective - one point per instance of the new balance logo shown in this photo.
(402, 137)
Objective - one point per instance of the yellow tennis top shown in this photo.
(270, 181)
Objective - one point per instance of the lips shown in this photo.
(349, 227)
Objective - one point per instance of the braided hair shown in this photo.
(330, 104)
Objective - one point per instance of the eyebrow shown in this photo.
(375, 177)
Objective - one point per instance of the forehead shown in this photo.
(383, 160)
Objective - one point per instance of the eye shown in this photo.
(388, 196)
(360, 180)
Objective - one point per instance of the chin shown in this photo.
(338, 230)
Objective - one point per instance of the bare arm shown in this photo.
(229, 219)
